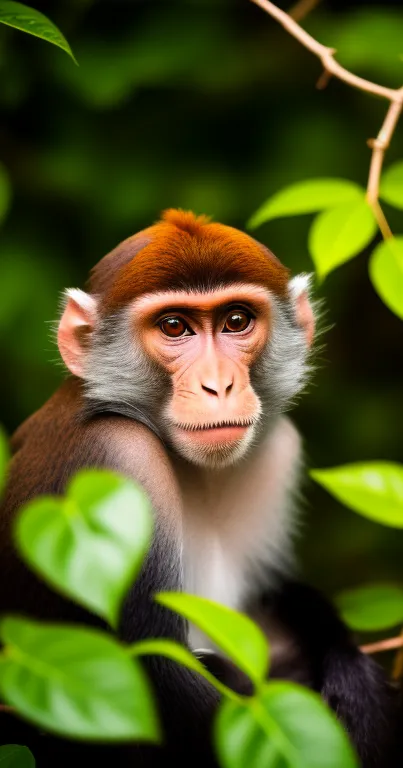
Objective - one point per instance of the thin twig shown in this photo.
(383, 645)
(332, 67)
(302, 8)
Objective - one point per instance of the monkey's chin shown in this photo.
(214, 448)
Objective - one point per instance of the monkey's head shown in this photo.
(193, 328)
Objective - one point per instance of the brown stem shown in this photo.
(383, 645)
(6, 708)
(332, 67)
(302, 8)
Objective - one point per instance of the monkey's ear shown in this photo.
(299, 291)
(77, 321)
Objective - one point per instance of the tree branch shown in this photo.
(302, 8)
(332, 67)
(383, 645)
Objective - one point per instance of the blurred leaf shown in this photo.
(33, 22)
(391, 187)
(5, 192)
(369, 39)
(373, 489)
(339, 234)
(14, 756)
(372, 608)
(75, 682)
(287, 727)
(236, 634)
(386, 273)
(176, 652)
(4, 456)
(91, 544)
(307, 197)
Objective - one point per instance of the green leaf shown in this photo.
(339, 234)
(307, 197)
(386, 273)
(176, 652)
(391, 187)
(5, 192)
(14, 756)
(287, 727)
(75, 682)
(32, 21)
(373, 489)
(237, 635)
(372, 608)
(4, 456)
(91, 544)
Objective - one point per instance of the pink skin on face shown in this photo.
(213, 402)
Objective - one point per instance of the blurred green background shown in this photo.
(209, 105)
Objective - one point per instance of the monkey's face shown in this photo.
(207, 344)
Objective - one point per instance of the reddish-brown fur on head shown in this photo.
(184, 251)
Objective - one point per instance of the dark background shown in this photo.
(209, 105)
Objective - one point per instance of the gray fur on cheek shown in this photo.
(119, 377)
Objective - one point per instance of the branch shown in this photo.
(332, 67)
(383, 645)
(302, 8)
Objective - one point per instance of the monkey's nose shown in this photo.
(217, 389)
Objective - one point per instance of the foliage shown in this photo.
(35, 23)
(14, 756)
(373, 607)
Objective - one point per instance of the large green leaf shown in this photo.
(15, 756)
(307, 197)
(76, 682)
(339, 234)
(239, 637)
(391, 187)
(373, 607)
(91, 544)
(386, 273)
(5, 192)
(287, 727)
(3, 459)
(32, 21)
(374, 489)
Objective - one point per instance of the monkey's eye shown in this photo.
(174, 327)
(237, 321)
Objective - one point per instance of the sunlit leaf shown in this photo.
(339, 234)
(176, 652)
(4, 455)
(287, 727)
(372, 608)
(15, 756)
(76, 682)
(373, 489)
(239, 637)
(307, 197)
(32, 21)
(386, 273)
(91, 544)
(5, 192)
(391, 187)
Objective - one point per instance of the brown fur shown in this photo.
(183, 251)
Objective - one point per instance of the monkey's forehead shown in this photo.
(184, 252)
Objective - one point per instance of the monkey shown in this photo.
(183, 356)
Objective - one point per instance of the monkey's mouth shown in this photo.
(217, 432)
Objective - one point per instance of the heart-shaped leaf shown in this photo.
(286, 727)
(75, 682)
(4, 455)
(374, 489)
(391, 188)
(339, 234)
(14, 756)
(307, 197)
(91, 544)
(5, 193)
(236, 634)
(372, 608)
(386, 273)
(32, 21)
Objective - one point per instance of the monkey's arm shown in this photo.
(352, 683)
